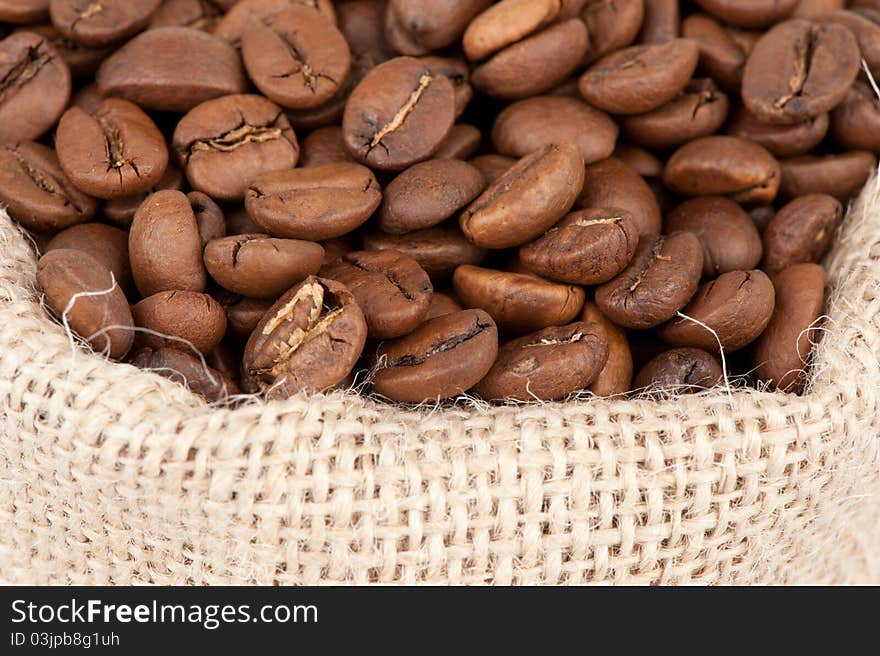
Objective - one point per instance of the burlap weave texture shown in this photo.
(113, 475)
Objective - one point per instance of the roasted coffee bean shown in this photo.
(324, 146)
(506, 23)
(209, 217)
(362, 24)
(108, 245)
(781, 353)
(459, 75)
(721, 57)
(840, 175)
(398, 115)
(180, 319)
(337, 247)
(724, 166)
(799, 70)
(415, 27)
(438, 250)
(189, 371)
(34, 86)
(24, 12)
(865, 30)
(517, 302)
(530, 124)
(308, 341)
(165, 246)
(317, 203)
(243, 315)
(730, 239)
(112, 152)
(547, 365)
(810, 8)
(737, 306)
(172, 69)
(611, 183)
(588, 247)
(640, 160)
(259, 266)
(197, 14)
(492, 167)
(246, 12)
(699, 111)
(226, 143)
(83, 293)
(781, 140)
(641, 78)
(300, 61)
(615, 378)
(121, 210)
(526, 200)
(801, 231)
(680, 370)
(442, 304)
(855, 123)
(611, 25)
(82, 61)
(461, 142)
(661, 23)
(427, 194)
(101, 22)
(36, 192)
(660, 280)
(757, 13)
(391, 289)
(762, 216)
(441, 359)
(536, 64)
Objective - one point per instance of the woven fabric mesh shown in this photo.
(111, 475)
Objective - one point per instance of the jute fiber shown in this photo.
(113, 475)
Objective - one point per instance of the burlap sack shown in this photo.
(113, 475)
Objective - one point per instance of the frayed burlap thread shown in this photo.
(110, 475)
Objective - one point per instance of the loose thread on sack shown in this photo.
(67, 310)
(720, 349)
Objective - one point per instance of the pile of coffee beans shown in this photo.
(521, 200)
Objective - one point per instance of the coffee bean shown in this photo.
(526, 200)
(259, 266)
(188, 370)
(442, 304)
(415, 27)
(24, 12)
(730, 239)
(101, 22)
(661, 23)
(165, 246)
(438, 250)
(535, 64)
(209, 217)
(197, 14)
(122, 210)
(611, 183)
(317, 203)
(441, 359)
(112, 152)
(308, 341)
(36, 192)
(82, 291)
(427, 194)
(226, 143)
(641, 78)
(588, 247)
(615, 378)
(737, 306)
(172, 69)
(781, 140)
(461, 142)
(660, 280)
(799, 70)
(458, 73)
(492, 167)
(762, 216)
(866, 32)
(530, 124)
(504, 24)
(547, 365)
(398, 115)
(855, 123)
(810, 8)
(517, 302)
(721, 56)
(35, 86)
(611, 25)
(195, 318)
(840, 175)
(243, 314)
(758, 13)
(724, 166)
(244, 13)
(362, 22)
(393, 291)
(300, 61)
(82, 61)
(680, 370)
(324, 146)
(801, 231)
(781, 353)
(640, 160)
(108, 245)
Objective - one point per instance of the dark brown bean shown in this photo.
(721, 57)
(308, 341)
(244, 12)
(441, 359)
(866, 32)
(82, 292)
(458, 73)
(801, 231)
(324, 146)
(393, 291)
(616, 376)
(761, 216)
(660, 280)
(839, 175)
(24, 12)
(189, 371)
(438, 250)
(197, 14)
(108, 245)
(680, 370)
(737, 306)
(855, 123)
(442, 304)
(611, 183)
(243, 314)
(415, 27)
(781, 140)
(461, 142)
(180, 319)
(82, 61)
(611, 25)
(526, 200)
(506, 23)
(492, 166)
(317, 203)
(661, 22)
(209, 217)
(101, 22)
(640, 160)
(756, 13)
(121, 210)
